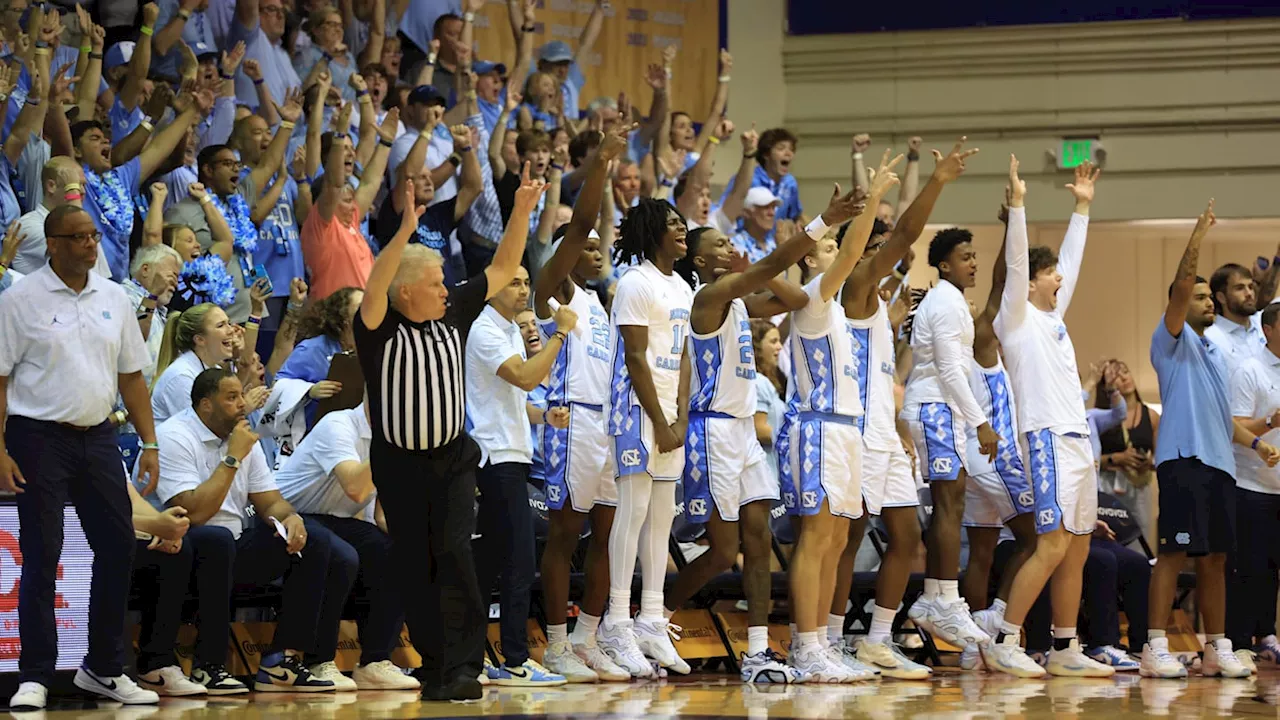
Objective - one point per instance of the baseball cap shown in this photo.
(484, 67)
(208, 56)
(119, 54)
(760, 197)
(427, 94)
(555, 51)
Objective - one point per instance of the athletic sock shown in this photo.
(930, 588)
(998, 607)
(835, 628)
(651, 606)
(1008, 629)
(809, 641)
(557, 633)
(1211, 637)
(1157, 640)
(1062, 637)
(757, 639)
(881, 624)
(584, 633)
(619, 608)
(949, 591)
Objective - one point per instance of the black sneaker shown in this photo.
(461, 689)
(217, 680)
(279, 673)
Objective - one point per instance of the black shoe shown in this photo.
(460, 690)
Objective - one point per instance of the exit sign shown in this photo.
(1076, 151)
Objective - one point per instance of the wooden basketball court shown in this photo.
(951, 694)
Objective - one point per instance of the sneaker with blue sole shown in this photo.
(1115, 657)
(530, 674)
(286, 673)
(1268, 648)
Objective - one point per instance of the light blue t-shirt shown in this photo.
(1196, 418)
(109, 201)
(123, 121)
(197, 33)
(420, 19)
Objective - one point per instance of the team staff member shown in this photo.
(71, 342)
(410, 343)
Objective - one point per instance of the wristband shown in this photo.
(362, 93)
(42, 50)
(668, 182)
(544, 416)
(225, 76)
(723, 78)
(147, 31)
(470, 95)
(287, 124)
(431, 58)
(205, 200)
(557, 167)
(294, 307)
(528, 28)
(42, 45)
(326, 55)
(253, 321)
(146, 126)
(560, 334)
(817, 228)
(457, 160)
(184, 13)
(713, 140)
(913, 156)
(86, 48)
(33, 102)
(150, 445)
(95, 56)
(1254, 445)
(144, 313)
(469, 16)
(383, 141)
(259, 81)
(857, 156)
(1267, 420)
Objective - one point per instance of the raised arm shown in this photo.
(470, 180)
(855, 240)
(377, 34)
(367, 133)
(860, 144)
(511, 249)
(527, 374)
(497, 165)
(1013, 300)
(523, 33)
(31, 119)
(153, 226)
(1071, 254)
(373, 309)
(87, 88)
(371, 181)
(731, 206)
(273, 156)
(910, 178)
(1184, 280)
(718, 103)
(590, 32)
(166, 139)
(140, 63)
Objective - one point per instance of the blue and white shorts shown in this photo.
(724, 467)
(1065, 482)
(635, 451)
(579, 461)
(825, 454)
(887, 480)
(996, 492)
(939, 435)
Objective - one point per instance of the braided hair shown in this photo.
(684, 266)
(641, 231)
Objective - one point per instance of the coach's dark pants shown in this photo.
(162, 581)
(1252, 569)
(61, 464)
(505, 549)
(1114, 577)
(382, 612)
(429, 502)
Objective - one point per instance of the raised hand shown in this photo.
(412, 211)
(242, 440)
(342, 121)
(726, 62)
(204, 101)
(1206, 220)
(197, 191)
(750, 141)
(7, 79)
(668, 55)
(461, 136)
(950, 167)
(1082, 188)
(97, 37)
(433, 47)
(62, 83)
(565, 319)
(231, 60)
(529, 192)
(256, 397)
(1017, 189)
(861, 142)
(615, 141)
(390, 123)
(159, 192)
(12, 240)
(297, 291)
(298, 165)
(252, 69)
(883, 177)
(188, 65)
(843, 207)
(655, 76)
(914, 143)
(291, 110)
(51, 29)
(150, 13)
(560, 157)
(357, 83)
(624, 108)
(724, 129)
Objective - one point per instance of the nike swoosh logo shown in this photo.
(282, 677)
(98, 680)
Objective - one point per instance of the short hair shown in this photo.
(684, 266)
(1198, 281)
(413, 260)
(878, 227)
(944, 242)
(1041, 258)
(531, 140)
(604, 101)
(152, 255)
(57, 218)
(1221, 278)
(440, 21)
(80, 128)
(772, 137)
(375, 67)
(1270, 314)
(59, 169)
(241, 128)
(205, 157)
(681, 186)
(583, 144)
(207, 383)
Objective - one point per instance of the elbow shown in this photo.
(358, 495)
(794, 302)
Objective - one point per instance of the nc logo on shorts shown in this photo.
(789, 499)
(1046, 517)
(1026, 498)
(1183, 538)
(941, 466)
(698, 507)
(553, 492)
(809, 498)
(630, 458)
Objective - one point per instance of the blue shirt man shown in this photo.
(197, 33)
(1196, 417)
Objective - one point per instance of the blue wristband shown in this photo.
(1254, 445)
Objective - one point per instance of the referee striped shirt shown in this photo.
(414, 371)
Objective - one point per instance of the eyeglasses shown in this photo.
(331, 24)
(271, 10)
(229, 162)
(89, 238)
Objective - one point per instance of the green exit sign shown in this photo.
(1076, 151)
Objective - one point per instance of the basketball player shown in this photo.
(825, 447)
(579, 459)
(939, 407)
(647, 419)
(1064, 479)
(725, 467)
(888, 482)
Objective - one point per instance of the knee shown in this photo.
(1213, 562)
(561, 539)
(344, 561)
(723, 554)
(1053, 547)
(212, 544)
(981, 556)
(1101, 564)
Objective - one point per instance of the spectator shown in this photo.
(179, 22)
(325, 28)
(194, 340)
(626, 188)
(260, 25)
(63, 182)
(565, 65)
(326, 331)
(776, 150)
(368, 24)
(390, 59)
(1125, 468)
(418, 27)
(534, 150)
(422, 116)
(150, 287)
(755, 237)
(766, 343)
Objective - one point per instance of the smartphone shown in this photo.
(260, 273)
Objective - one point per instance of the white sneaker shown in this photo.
(767, 668)
(1246, 658)
(1072, 662)
(120, 688)
(653, 637)
(596, 659)
(560, 659)
(170, 681)
(30, 696)
(988, 621)
(819, 665)
(485, 671)
(1220, 660)
(845, 654)
(329, 671)
(891, 661)
(383, 675)
(1158, 663)
(618, 641)
(949, 621)
(1007, 657)
(971, 658)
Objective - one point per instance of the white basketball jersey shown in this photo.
(993, 390)
(647, 297)
(724, 367)
(580, 372)
(872, 342)
(822, 357)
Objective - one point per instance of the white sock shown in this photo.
(757, 639)
(1065, 633)
(653, 547)
(835, 628)
(930, 588)
(584, 633)
(949, 590)
(557, 633)
(998, 607)
(624, 540)
(1211, 637)
(881, 624)
(1011, 630)
(810, 641)
(651, 609)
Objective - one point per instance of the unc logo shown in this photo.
(1183, 538)
(630, 458)
(698, 507)
(941, 466)
(789, 499)
(1061, 330)
(809, 498)
(1026, 499)
(553, 492)
(1046, 517)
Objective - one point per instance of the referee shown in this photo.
(410, 336)
(71, 342)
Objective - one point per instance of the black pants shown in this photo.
(162, 580)
(382, 612)
(1115, 574)
(276, 309)
(315, 589)
(505, 549)
(84, 467)
(1252, 568)
(429, 502)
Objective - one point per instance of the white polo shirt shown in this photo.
(33, 250)
(63, 351)
(496, 415)
(1255, 394)
(307, 478)
(172, 392)
(189, 455)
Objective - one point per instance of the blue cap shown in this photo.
(555, 51)
(484, 67)
(119, 54)
(427, 94)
